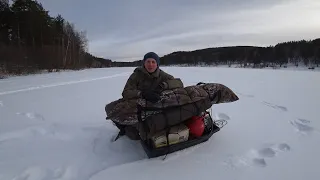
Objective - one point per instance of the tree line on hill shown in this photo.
(32, 40)
(295, 52)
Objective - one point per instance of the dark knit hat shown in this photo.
(151, 55)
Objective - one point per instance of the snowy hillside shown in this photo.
(53, 127)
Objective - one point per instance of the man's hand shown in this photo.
(161, 87)
(151, 96)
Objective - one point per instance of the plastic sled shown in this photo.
(168, 149)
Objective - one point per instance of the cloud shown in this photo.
(126, 30)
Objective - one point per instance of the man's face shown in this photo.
(150, 65)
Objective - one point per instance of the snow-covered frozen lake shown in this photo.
(52, 126)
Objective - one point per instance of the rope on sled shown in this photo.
(220, 123)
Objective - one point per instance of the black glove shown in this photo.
(151, 96)
(161, 87)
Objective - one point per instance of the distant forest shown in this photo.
(294, 52)
(31, 41)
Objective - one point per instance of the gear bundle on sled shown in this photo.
(180, 118)
(193, 131)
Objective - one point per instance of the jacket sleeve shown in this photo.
(171, 82)
(131, 89)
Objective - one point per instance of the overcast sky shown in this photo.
(125, 30)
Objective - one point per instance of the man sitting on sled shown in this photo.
(147, 82)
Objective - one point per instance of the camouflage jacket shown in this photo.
(141, 80)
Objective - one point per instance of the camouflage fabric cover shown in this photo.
(124, 111)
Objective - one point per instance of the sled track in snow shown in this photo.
(62, 84)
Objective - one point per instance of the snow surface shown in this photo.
(52, 126)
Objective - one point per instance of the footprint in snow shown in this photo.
(273, 150)
(259, 162)
(36, 173)
(305, 121)
(41, 173)
(35, 132)
(30, 115)
(65, 173)
(221, 116)
(266, 152)
(282, 108)
(245, 161)
(257, 157)
(302, 126)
